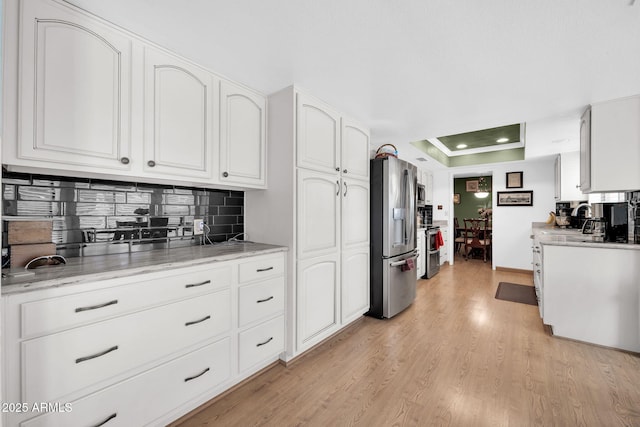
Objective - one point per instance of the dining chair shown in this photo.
(477, 237)
(459, 239)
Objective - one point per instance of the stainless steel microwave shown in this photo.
(421, 195)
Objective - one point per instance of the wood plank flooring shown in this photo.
(456, 357)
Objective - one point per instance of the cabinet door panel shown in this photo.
(355, 284)
(317, 292)
(355, 150)
(318, 208)
(318, 135)
(178, 116)
(74, 89)
(242, 140)
(355, 213)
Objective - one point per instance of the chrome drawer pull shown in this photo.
(93, 307)
(265, 300)
(260, 270)
(109, 418)
(263, 343)
(93, 356)
(196, 376)
(197, 321)
(193, 285)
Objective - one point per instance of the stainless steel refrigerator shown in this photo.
(393, 236)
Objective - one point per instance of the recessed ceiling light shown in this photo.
(499, 140)
(461, 146)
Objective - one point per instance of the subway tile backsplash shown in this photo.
(95, 217)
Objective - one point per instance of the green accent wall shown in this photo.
(469, 203)
(510, 155)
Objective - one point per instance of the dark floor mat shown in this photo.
(517, 293)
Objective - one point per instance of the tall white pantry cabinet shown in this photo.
(317, 204)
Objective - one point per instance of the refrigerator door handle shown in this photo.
(403, 262)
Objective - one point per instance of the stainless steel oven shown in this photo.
(431, 253)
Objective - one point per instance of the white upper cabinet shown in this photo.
(242, 155)
(568, 177)
(318, 135)
(74, 86)
(610, 146)
(318, 213)
(178, 116)
(355, 150)
(94, 100)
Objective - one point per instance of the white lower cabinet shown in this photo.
(317, 294)
(355, 283)
(444, 249)
(143, 398)
(260, 342)
(136, 349)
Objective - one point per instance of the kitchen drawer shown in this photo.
(261, 268)
(55, 314)
(260, 300)
(261, 343)
(143, 398)
(56, 365)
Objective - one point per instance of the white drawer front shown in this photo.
(58, 364)
(261, 268)
(143, 398)
(261, 343)
(55, 314)
(260, 300)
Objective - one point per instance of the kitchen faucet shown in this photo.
(582, 205)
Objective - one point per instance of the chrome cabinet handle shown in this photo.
(265, 300)
(93, 356)
(124, 160)
(344, 171)
(337, 169)
(345, 189)
(95, 307)
(151, 163)
(263, 343)
(193, 285)
(196, 376)
(106, 420)
(225, 174)
(197, 321)
(260, 270)
(338, 185)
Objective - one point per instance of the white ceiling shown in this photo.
(413, 69)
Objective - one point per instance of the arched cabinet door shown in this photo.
(178, 116)
(317, 298)
(242, 154)
(355, 150)
(354, 283)
(317, 135)
(74, 90)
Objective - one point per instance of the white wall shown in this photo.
(511, 224)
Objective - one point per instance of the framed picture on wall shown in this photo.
(514, 179)
(456, 198)
(515, 198)
(472, 186)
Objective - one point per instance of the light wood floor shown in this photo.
(456, 357)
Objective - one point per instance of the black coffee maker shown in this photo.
(616, 217)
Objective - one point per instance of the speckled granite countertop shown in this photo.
(93, 268)
(550, 235)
